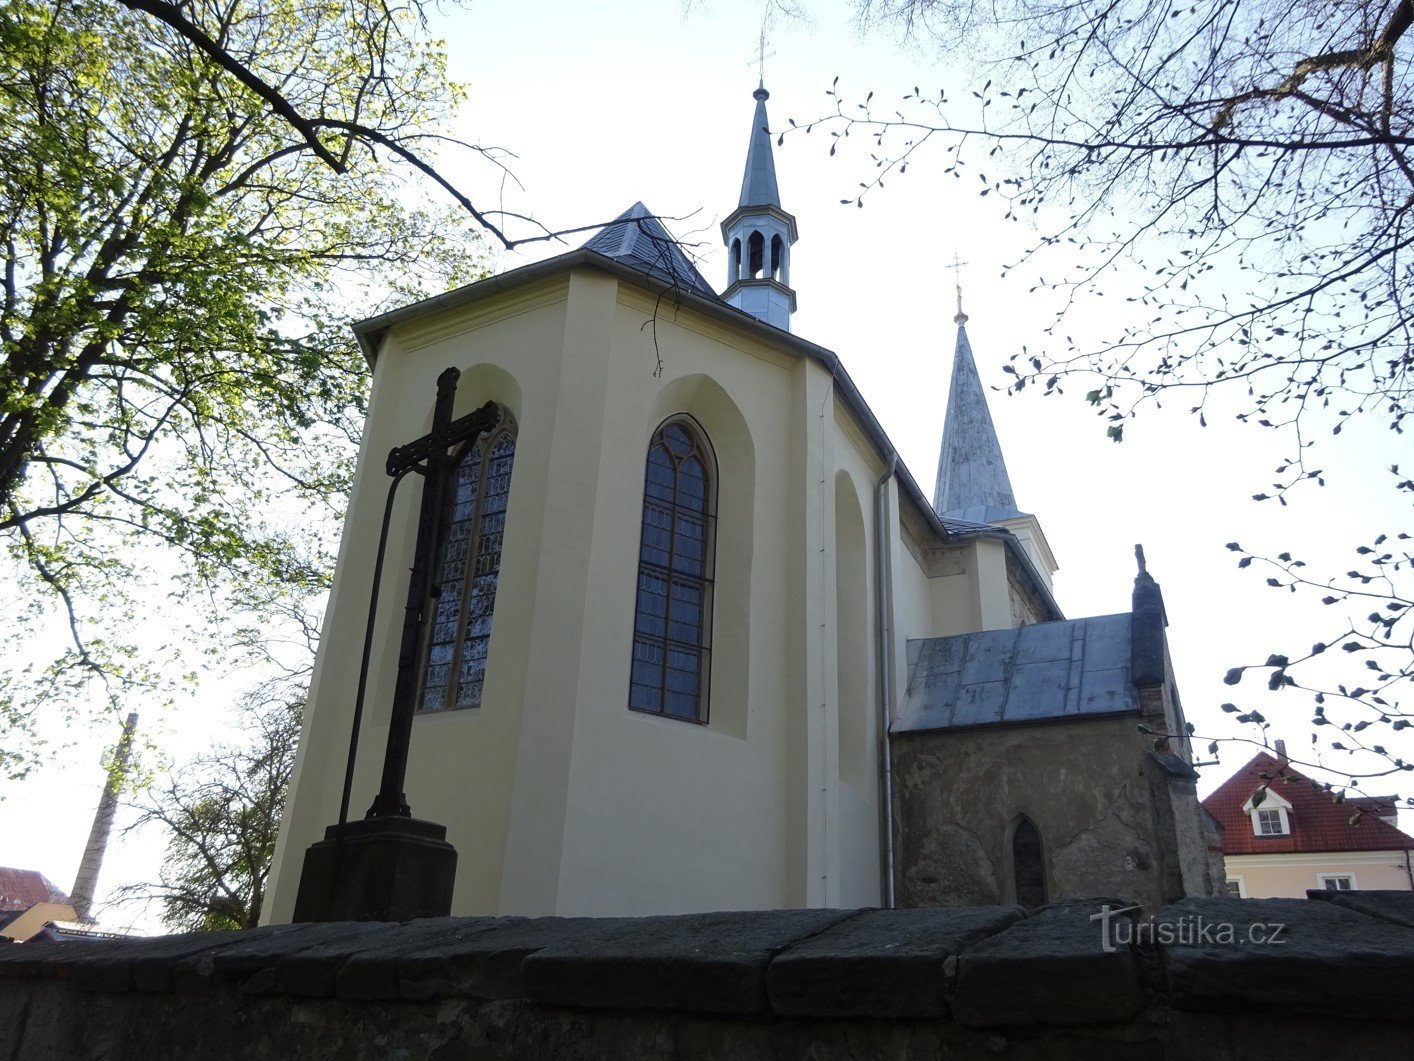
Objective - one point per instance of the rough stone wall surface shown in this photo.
(958, 794)
(1206, 978)
(1199, 841)
(1026, 606)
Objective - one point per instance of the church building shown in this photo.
(697, 640)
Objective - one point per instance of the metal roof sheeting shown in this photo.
(972, 481)
(1041, 671)
(758, 183)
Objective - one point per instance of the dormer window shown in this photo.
(1270, 816)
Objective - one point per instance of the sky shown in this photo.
(594, 108)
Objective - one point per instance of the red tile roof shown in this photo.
(1317, 823)
(22, 888)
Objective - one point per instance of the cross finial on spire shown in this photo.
(761, 56)
(957, 264)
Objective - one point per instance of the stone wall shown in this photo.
(1026, 604)
(1211, 978)
(1084, 784)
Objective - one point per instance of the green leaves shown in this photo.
(177, 378)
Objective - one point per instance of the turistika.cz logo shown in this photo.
(1118, 929)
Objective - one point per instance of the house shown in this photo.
(1295, 836)
(28, 902)
(696, 639)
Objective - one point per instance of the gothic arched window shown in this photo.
(672, 623)
(468, 568)
(1028, 864)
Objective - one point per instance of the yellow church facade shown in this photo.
(558, 796)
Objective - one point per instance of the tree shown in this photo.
(179, 397)
(1242, 173)
(221, 814)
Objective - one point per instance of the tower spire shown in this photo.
(972, 478)
(759, 233)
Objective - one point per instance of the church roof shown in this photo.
(638, 239)
(972, 481)
(758, 183)
(1043, 671)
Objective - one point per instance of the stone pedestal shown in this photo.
(383, 869)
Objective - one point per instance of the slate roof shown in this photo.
(1317, 823)
(1065, 669)
(638, 239)
(22, 888)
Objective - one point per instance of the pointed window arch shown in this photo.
(778, 257)
(672, 623)
(468, 571)
(736, 260)
(1028, 864)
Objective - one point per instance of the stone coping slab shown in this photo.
(881, 963)
(474, 961)
(700, 963)
(1050, 968)
(1232, 955)
(1395, 907)
(1345, 956)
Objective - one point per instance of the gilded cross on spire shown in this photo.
(957, 264)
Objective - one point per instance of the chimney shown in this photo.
(1281, 749)
(86, 883)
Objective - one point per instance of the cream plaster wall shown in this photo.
(956, 606)
(557, 797)
(1291, 875)
(518, 339)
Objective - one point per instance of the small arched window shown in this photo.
(468, 570)
(672, 623)
(778, 260)
(1028, 864)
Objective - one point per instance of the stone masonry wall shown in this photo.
(1212, 978)
(958, 792)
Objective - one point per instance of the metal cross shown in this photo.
(761, 56)
(957, 264)
(431, 454)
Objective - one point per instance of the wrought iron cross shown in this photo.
(429, 455)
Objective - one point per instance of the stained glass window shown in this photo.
(672, 623)
(468, 569)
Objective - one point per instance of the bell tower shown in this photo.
(759, 234)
